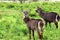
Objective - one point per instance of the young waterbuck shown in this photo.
(33, 24)
(49, 17)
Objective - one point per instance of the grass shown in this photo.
(12, 26)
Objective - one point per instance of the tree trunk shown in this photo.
(35, 0)
(14, 0)
(21, 1)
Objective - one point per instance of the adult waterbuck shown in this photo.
(33, 24)
(49, 17)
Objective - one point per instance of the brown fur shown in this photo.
(49, 17)
(32, 25)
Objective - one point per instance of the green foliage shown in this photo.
(12, 26)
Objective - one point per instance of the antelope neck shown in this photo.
(26, 19)
(41, 13)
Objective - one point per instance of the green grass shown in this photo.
(12, 26)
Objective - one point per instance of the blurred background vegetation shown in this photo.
(12, 26)
(23, 1)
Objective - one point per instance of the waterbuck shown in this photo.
(48, 17)
(33, 24)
